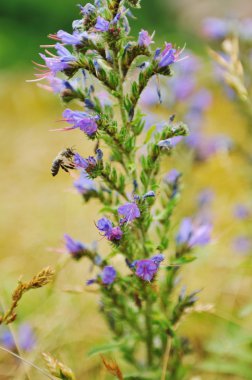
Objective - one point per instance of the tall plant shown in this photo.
(138, 300)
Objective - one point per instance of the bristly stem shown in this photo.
(149, 333)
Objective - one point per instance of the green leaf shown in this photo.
(183, 260)
(149, 133)
(102, 349)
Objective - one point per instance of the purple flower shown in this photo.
(241, 211)
(71, 39)
(168, 56)
(74, 247)
(172, 176)
(242, 244)
(82, 120)
(108, 275)
(192, 234)
(102, 25)
(182, 87)
(82, 163)
(25, 337)
(110, 232)
(170, 143)
(146, 269)
(205, 197)
(157, 259)
(201, 101)
(115, 234)
(245, 29)
(55, 84)
(62, 61)
(144, 38)
(88, 9)
(130, 211)
(84, 184)
(215, 28)
(104, 225)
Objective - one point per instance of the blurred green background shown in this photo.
(36, 210)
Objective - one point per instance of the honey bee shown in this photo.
(64, 160)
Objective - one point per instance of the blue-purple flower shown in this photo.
(108, 275)
(109, 231)
(103, 25)
(146, 269)
(75, 248)
(205, 197)
(129, 211)
(84, 163)
(241, 211)
(192, 233)
(168, 56)
(172, 176)
(56, 63)
(242, 244)
(215, 28)
(72, 39)
(87, 9)
(82, 120)
(84, 184)
(144, 39)
(25, 338)
(170, 143)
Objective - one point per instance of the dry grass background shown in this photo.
(37, 209)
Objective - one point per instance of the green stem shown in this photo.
(149, 332)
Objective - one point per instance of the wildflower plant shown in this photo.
(138, 300)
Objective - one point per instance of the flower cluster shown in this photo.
(137, 203)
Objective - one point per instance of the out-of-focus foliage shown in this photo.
(25, 24)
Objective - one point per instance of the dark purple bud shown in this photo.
(99, 154)
(89, 104)
(150, 194)
(91, 281)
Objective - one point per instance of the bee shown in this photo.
(64, 160)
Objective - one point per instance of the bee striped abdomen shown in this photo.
(55, 167)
